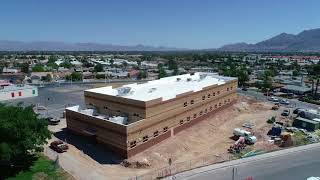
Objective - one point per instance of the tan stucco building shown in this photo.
(131, 118)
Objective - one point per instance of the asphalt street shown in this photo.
(293, 102)
(295, 165)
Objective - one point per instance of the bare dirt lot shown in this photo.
(210, 137)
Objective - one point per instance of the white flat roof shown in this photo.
(165, 88)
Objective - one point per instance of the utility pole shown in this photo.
(105, 77)
(234, 171)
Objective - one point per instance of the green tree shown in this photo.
(314, 76)
(139, 63)
(295, 73)
(38, 68)
(111, 61)
(22, 134)
(47, 78)
(52, 59)
(66, 64)
(142, 74)
(24, 67)
(162, 72)
(242, 75)
(75, 76)
(98, 68)
(267, 81)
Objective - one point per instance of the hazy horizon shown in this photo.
(191, 24)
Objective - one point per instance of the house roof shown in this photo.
(297, 88)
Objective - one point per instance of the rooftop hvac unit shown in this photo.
(178, 79)
(189, 79)
(152, 90)
(123, 91)
(202, 76)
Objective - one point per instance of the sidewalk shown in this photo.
(245, 160)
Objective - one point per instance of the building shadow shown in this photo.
(89, 147)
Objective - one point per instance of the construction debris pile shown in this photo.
(135, 164)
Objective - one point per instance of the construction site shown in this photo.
(215, 138)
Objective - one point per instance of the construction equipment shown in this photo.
(286, 140)
(275, 107)
(271, 120)
(249, 138)
(238, 146)
(276, 130)
(249, 125)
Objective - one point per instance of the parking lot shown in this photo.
(55, 99)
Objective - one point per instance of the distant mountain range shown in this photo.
(62, 46)
(306, 41)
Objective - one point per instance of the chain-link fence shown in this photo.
(176, 168)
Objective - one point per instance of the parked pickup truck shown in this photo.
(250, 139)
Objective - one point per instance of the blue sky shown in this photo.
(177, 23)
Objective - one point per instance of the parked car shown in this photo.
(53, 121)
(298, 110)
(273, 99)
(59, 146)
(285, 112)
(285, 102)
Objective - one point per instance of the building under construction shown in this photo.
(134, 117)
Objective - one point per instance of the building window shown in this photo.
(227, 89)
(145, 138)
(214, 94)
(231, 88)
(215, 106)
(194, 115)
(225, 101)
(211, 108)
(12, 94)
(188, 118)
(20, 93)
(203, 97)
(165, 129)
(209, 95)
(192, 101)
(156, 133)
(218, 92)
(33, 91)
(205, 111)
(181, 122)
(228, 100)
(185, 104)
(200, 114)
(220, 104)
(133, 144)
(135, 114)
(105, 107)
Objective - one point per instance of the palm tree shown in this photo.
(314, 76)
